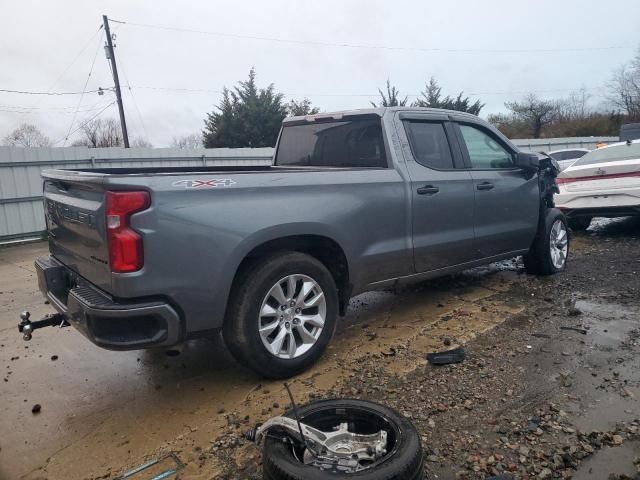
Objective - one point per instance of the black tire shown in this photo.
(403, 462)
(240, 330)
(579, 224)
(538, 260)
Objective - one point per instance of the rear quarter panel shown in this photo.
(195, 238)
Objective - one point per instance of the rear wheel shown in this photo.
(579, 224)
(550, 249)
(282, 314)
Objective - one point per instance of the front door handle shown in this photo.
(484, 186)
(428, 190)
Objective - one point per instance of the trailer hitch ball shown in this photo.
(25, 326)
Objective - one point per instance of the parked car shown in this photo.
(630, 131)
(603, 183)
(358, 200)
(567, 156)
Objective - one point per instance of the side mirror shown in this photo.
(527, 161)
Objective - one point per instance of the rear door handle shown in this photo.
(428, 190)
(484, 186)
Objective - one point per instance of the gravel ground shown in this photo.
(550, 393)
(532, 399)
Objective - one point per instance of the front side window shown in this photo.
(429, 144)
(484, 151)
(350, 143)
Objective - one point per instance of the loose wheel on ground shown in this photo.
(402, 459)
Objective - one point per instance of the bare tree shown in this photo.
(575, 106)
(100, 133)
(391, 99)
(140, 142)
(624, 87)
(187, 142)
(27, 135)
(536, 113)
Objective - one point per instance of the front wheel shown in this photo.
(550, 249)
(282, 314)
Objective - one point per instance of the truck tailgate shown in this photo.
(75, 219)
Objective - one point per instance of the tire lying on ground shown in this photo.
(403, 460)
(550, 249)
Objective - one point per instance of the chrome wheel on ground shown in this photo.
(558, 244)
(292, 316)
(355, 439)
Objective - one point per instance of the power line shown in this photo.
(135, 103)
(25, 92)
(42, 112)
(370, 47)
(85, 123)
(68, 109)
(84, 88)
(66, 69)
(206, 90)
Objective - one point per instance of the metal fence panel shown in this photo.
(21, 211)
(550, 144)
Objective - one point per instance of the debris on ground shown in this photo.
(160, 468)
(447, 357)
(575, 329)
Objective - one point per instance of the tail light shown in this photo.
(125, 244)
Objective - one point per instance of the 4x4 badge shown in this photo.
(204, 183)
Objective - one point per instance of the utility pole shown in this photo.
(111, 56)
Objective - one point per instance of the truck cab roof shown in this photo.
(379, 111)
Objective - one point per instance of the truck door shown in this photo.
(442, 193)
(506, 205)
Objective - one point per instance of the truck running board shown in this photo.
(26, 326)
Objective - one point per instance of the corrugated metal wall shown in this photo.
(550, 144)
(21, 213)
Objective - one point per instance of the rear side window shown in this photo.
(610, 154)
(351, 143)
(429, 144)
(484, 151)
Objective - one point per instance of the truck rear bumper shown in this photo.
(107, 322)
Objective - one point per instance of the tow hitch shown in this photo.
(26, 326)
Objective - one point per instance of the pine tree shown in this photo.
(298, 108)
(391, 99)
(246, 117)
(432, 98)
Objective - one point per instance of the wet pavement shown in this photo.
(103, 412)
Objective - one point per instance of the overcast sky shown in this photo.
(493, 50)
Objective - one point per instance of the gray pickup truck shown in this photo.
(354, 201)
